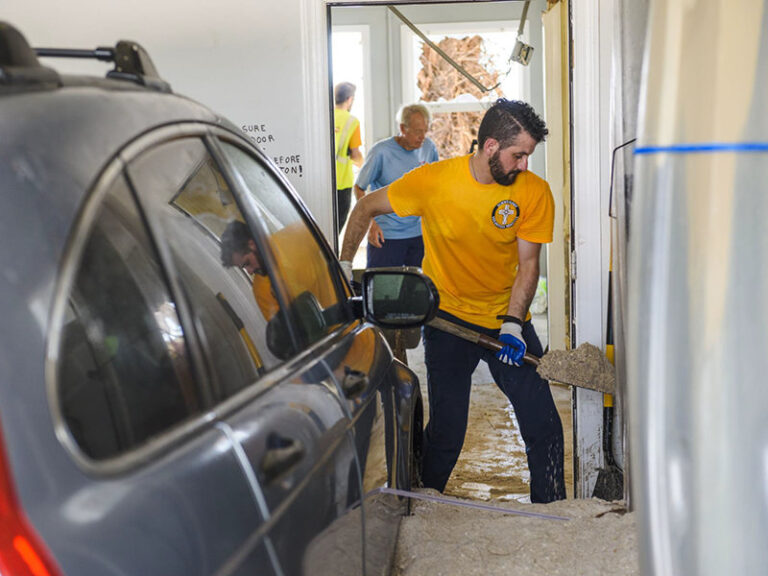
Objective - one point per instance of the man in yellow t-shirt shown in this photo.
(348, 143)
(484, 218)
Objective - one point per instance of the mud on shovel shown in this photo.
(494, 345)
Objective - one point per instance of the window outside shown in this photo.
(457, 104)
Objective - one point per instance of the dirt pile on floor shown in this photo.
(586, 366)
(598, 538)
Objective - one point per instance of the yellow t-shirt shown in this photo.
(470, 233)
(301, 265)
(264, 296)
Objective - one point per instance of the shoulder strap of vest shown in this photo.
(343, 138)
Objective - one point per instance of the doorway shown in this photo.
(403, 69)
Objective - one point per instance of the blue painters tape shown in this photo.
(705, 147)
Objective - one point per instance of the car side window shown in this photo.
(304, 266)
(124, 373)
(218, 268)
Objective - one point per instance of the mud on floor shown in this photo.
(493, 464)
(598, 538)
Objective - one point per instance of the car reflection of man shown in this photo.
(300, 264)
(238, 249)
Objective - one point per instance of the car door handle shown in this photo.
(354, 382)
(282, 454)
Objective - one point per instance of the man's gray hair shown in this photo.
(405, 113)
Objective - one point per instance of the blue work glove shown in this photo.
(511, 335)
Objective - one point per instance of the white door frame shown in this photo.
(592, 32)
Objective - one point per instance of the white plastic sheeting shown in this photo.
(698, 291)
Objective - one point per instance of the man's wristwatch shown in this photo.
(506, 318)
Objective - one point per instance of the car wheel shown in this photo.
(416, 456)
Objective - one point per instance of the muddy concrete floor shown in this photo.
(493, 464)
(574, 537)
(597, 538)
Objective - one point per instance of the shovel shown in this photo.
(476, 337)
(494, 345)
(610, 479)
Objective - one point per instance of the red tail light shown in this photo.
(22, 553)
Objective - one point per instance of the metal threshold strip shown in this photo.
(453, 502)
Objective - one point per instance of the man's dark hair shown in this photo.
(234, 239)
(343, 92)
(506, 119)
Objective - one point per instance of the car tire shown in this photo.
(416, 456)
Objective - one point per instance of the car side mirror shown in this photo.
(402, 297)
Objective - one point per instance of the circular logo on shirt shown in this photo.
(505, 214)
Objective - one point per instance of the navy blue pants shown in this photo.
(450, 363)
(402, 252)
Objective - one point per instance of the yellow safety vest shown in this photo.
(344, 126)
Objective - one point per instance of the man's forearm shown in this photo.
(357, 226)
(524, 289)
(356, 156)
(372, 204)
(359, 192)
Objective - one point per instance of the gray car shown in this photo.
(188, 385)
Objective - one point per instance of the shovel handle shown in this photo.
(476, 337)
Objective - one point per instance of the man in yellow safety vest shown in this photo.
(348, 142)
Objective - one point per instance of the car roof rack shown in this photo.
(19, 63)
(19, 66)
(132, 62)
